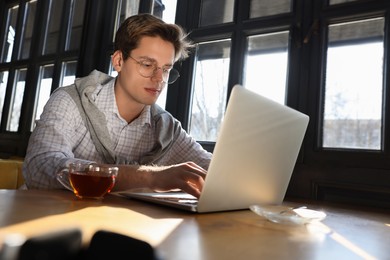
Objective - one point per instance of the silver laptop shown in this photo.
(253, 159)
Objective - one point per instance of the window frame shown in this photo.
(328, 174)
(15, 143)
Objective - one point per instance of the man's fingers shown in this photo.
(193, 184)
(188, 177)
(192, 189)
(194, 168)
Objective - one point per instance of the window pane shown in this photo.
(54, 25)
(127, 9)
(269, 7)
(334, 2)
(113, 72)
(353, 91)
(43, 91)
(210, 89)
(168, 9)
(3, 88)
(9, 40)
(209, 14)
(68, 73)
(76, 28)
(266, 65)
(16, 101)
(167, 12)
(28, 29)
(158, 8)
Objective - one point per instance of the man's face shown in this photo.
(133, 85)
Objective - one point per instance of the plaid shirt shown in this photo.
(60, 137)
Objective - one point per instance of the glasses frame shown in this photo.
(169, 75)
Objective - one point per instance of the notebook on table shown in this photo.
(253, 159)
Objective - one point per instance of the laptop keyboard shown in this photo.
(180, 200)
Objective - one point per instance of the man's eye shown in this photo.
(147, 65)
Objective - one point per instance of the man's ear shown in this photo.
(117, 61)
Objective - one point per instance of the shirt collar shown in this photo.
(145, 117)
(107, 92)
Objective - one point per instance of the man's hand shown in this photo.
(188, 177)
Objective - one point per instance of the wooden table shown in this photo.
(346, 233)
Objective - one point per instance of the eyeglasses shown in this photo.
(148, 69)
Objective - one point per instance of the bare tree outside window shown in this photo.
(17, 99)
(210, 89)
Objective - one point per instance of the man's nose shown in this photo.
(158, 75)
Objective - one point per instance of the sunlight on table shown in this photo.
(89, 220)
(322, 228)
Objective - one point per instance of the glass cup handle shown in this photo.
(62, 177)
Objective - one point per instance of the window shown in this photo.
(324, 58)
(3, 86)
(27, 29)
(11, 115)
(40, 46)
(269, 7)
(10, 29)
(209, 89)
(260, 65)
(208, 15)
(16, 100)
(44, 89)
(266, 65)
(52, 32)
(333, 2)
(354, 85)
(55, 31)
(68, 73)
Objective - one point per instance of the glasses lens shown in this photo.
(146, 69)
(173, 76)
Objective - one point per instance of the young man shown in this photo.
(116, 121)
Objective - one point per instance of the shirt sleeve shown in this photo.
(185, 148)
(50, 144)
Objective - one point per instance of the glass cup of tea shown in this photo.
(88, 181)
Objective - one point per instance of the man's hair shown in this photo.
(135, 27)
